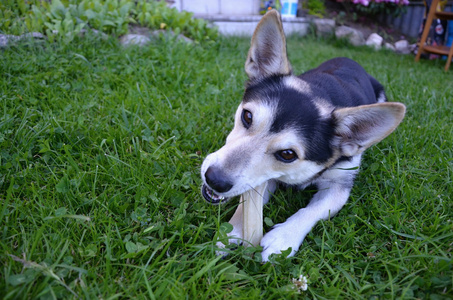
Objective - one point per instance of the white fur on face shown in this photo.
(248, 157)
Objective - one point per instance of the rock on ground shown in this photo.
(135, 39)
(389, 46)
(355, 37)
(402, 46)
(142, 36)
(374, 41)
(7, 39)
(324, 27)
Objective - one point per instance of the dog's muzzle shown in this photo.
(216, 180)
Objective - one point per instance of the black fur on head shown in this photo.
(296, 110)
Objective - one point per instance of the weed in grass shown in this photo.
(100, 149)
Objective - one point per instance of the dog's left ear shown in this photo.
(267, 55)
(358, 128)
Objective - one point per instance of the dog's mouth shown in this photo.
(210, 196)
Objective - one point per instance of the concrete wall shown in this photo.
(245, 25)
(236, 17)
(219, 7)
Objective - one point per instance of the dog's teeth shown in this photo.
(214, 195)
(211, 196)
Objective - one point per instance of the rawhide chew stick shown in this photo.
(252, 208)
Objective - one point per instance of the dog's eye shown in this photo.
(286, 156)
(247, 118)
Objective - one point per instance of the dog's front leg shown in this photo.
(325, 203)
(236, 235)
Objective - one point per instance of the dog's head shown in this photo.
(279, 132)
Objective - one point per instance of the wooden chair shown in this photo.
(441, 50)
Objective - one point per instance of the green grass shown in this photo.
(100, 151)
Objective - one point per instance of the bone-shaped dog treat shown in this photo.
(252, 217)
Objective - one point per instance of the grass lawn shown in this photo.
(100, 149)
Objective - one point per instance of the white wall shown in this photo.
(216, 7)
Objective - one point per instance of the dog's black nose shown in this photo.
(216, 180)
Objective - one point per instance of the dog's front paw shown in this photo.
(279, 239)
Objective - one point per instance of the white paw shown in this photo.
(279, 239)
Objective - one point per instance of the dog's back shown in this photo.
(348, 83)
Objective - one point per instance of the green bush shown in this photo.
(66, 18)
(315, 7)
(12, 13)
(156, 14)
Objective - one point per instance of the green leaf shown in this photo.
(89, 251)
(90, 14)
(108, 22)
(226, 227)
(141, 247)
(131, 247)
(63, 185)
(18, 279)
(268, 222)
(61, 211)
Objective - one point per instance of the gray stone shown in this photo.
(35, 35)
(389, 46)
(355, 37)
(94, 31)
(182, 37)
(134, 39)
(145, 37)
(402, 47)
(374, 41)
(4, 40)
(171, 34)
(324, 27)
(8, 39)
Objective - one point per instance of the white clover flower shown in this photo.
(300, 284)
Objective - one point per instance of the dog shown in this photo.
(301, 130)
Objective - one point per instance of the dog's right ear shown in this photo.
(267, 55)
(358, 128)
